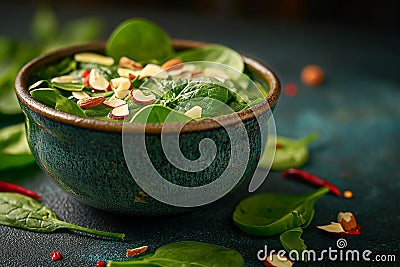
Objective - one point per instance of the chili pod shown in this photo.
(9, 187)
(311, 179)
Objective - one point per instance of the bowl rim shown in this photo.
(24, 97)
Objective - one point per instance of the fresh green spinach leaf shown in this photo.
(140, 40)
(187, 254)
(24, 212)
(14, 148)
(53, 98)
(291, 240)
(157, 113)
(270, 214)
(215, 53)
(63, 67)
(290, 153)
(44, 27)
(77, 87)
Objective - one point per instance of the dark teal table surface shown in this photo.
(356, 113)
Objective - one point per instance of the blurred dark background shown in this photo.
(380, 15)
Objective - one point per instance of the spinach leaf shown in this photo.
(8, 100)
(140, 40)
(157, 113)
(40, 84)
(24, 212)
(215, 53)
(97, 112)
(44, 26)
(63, 67)
(270, 214)
(14, 148)
(208, 93)
(108, 72)
(291, 240)
(53, 98)
(68, 106)
(186, 254)
(290, 153)
(47, 96)
(69, 86)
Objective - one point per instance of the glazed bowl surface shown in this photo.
(86, 156)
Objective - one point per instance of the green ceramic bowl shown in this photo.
(85, 156)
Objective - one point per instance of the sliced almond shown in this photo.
(121, 86)
(194, 112)
(98, 82)
(128, 73)
(80, 94)
(119, 113)
(334, 229)
(136, 251)
(88, 57)
(172, 64)
(151, 70)
(126, 62)
(114, 102)
(139, 98)
(63, 79)
(91, 102)
(216, 73)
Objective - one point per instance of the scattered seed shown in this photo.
(312, 75)
(290, 89)
(348, 194)
(135, 251)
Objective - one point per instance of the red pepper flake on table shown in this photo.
(55, 255)
(101, 264)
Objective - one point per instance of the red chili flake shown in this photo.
(85, 73)
(101, 264)
(278, 145)
(355, 231)
(290, 89)
(311, 179)
(55, 255)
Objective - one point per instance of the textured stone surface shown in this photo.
(356, 111)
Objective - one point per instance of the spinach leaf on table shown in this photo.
(291, 241)
(14, 148)
(186, 254)
(270, 214)
(290, 153)
(24, 212)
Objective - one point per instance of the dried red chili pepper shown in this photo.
(101, 264)
(55, 255)
(311, 179)
(9, 187)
